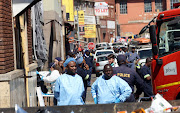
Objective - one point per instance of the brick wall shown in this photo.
(136, 18)
(6, 37)
(29, 35)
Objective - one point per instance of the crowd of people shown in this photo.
(70, 78)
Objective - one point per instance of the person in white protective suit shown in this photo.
(109, 88)
(69, 87)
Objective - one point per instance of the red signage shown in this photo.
(91, 45)
(101, 9)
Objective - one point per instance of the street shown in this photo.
(89, 99)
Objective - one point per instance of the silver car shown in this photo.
(100, 63)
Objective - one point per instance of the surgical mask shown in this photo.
(112, 64)
(107, 77)
(70, 72)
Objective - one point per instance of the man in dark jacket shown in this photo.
(83, 71)
(129, 75)
(146, 76)
(89, 62)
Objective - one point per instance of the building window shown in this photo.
(90, 4)
(158, 5)
(83, 5)
(104, 36)
(123, 7)
(112, 13)
(172, 2)
(147, 6)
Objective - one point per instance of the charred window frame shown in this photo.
(18, 44)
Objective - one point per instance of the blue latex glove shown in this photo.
(117, 100)
(42, 78)
(37, 72)
(95, 100)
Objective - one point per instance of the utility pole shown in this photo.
(77, 8)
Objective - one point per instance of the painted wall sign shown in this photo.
(170, 69)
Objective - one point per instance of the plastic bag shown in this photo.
(158, 105)
(19, 109)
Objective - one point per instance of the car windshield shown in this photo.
(103, 52)
(169, 36)
(145, 53)
(104, 58)
(100, 45)
(115, 44)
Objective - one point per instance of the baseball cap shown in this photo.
(121, 58)
(58, 58)
(51, 65)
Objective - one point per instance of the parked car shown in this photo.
(102, 52)
(103, 45)
(99, 65)
(118, 44)
(143, 54)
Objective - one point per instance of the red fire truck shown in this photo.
(165, 39)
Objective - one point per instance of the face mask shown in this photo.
(112, 64)
(70, 72)
(107, 77)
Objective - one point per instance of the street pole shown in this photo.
(78, 25)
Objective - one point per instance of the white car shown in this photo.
(103, 45)
(102, 52)
(118, 44)
(100, 63)
(143, 54)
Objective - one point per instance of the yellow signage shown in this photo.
(90, 31)
(80, 17)
(69, 4)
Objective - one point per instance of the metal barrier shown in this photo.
(94, 108)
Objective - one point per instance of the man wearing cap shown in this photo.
(89, 62)
(131, 57)
(129, 75)
(146, 76)
(112, 60)
(83, 71)
(110, 89)
(59, 65)
(69, 86)
(121, 52)
(69, 54)
(52, 76)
